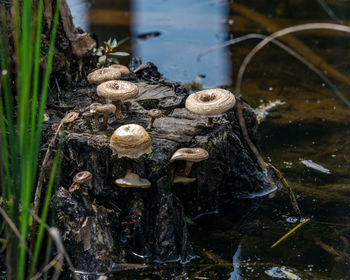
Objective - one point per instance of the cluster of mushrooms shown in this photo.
(132, 140)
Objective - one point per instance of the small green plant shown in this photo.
(107, 54)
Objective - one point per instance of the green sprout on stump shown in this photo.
(107, 54)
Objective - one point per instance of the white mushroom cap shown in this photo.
(210, 102)
(122, 69)
(117, 90)
(190, 154)
(130, 141)
(132, 180)
(102, 75)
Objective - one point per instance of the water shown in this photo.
(313, 124)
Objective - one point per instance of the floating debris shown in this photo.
(309, 163)
(263, 110)
(149, 35)
(289, 232)
(281, 273)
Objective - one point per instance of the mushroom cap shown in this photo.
(82, 177)
(122, 69)
(155, 113)
(130, 140)
(93, 107)
(132, 180)
(190, 154)
(210, 102)
(70, 117)
(102, 108)
(102, 75)
(117, 90)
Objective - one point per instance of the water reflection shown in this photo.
(184, 29)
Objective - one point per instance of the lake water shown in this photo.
(312, 126)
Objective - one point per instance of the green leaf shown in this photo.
(113, 59)
(114, 43)
(120, 54)
(189, 221)
(102, 59)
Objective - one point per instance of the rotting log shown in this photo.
(104, 225)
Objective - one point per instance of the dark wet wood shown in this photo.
(104, 224)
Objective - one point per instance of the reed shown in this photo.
(23, 94)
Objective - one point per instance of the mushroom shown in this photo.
(132, 180)
(190, 155)
(130, 140)
(117, 91)
(122, 69)
(105, 109)
(210, 103)
(102, 75)
(87, 116)
(79, 179)
(154, 114)
(69, 119)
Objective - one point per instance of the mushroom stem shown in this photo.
(127, 107)
(118, 110)
(87, 116)
(105, 121)
(210, 121)
(96, 120)
(188, 167)
(150, 124)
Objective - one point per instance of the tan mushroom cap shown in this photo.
(210, 102)
(190, 154)
(102, 108)
(132, 180)
(82, 177)
(102, 75)
(122, 69)
(117, 90)
(70, 117)
(130, 140)
(155, 113)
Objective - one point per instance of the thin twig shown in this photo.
(14, 229)
(47, 267)
(289, 189)
(283, 32)
(42, 174)
(56, 237)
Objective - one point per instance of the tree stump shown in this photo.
(103, 225)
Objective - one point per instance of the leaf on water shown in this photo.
(290, 275)
(316, 166)
(263, 110)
